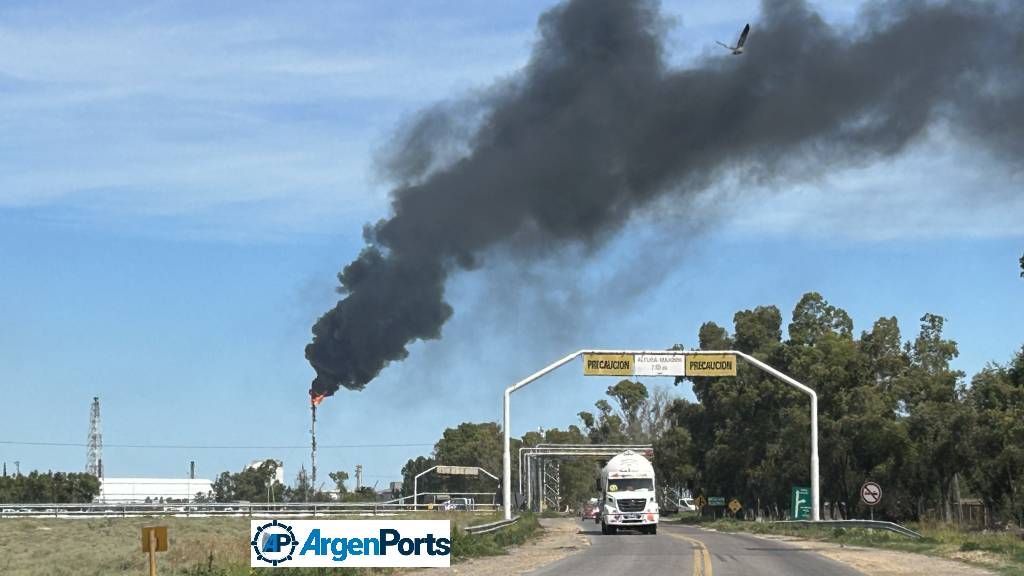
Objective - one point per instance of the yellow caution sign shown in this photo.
(711, 365)
(607, 364)
(154, 538)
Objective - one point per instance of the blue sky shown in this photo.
(181, 181)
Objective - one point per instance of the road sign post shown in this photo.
(443, 470)
(623, 362)
(154, 539)
(871, 494)
(800, 503)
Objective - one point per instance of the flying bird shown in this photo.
(738, 48)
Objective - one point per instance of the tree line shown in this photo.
(45, 487)
(889, 410)
(258, 483)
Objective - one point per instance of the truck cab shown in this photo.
(628, 499)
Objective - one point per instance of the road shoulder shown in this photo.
(561, 538)
(881, 562)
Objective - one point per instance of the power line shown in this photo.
(208, 447)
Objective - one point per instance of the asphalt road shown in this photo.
(685, 550)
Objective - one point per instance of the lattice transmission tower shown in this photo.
(94, 454)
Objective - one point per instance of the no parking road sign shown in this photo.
(871, 493)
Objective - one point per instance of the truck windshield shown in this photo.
(629, 484)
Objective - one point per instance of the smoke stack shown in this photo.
(192, 470)
(312, 455)
(598, 126)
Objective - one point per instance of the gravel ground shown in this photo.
(559, 540)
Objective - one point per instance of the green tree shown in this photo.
(471, 444)
(742, 430)
(606, 427)
(997, 471)
(632, 398)
(673, 461)
(814, 318)
(339, 479)
(823, 354)
(252, 484)
(637, 417)
(363, 494)
(47, 487)
(428, 483)
(937, 419)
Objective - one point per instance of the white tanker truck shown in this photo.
(627, 495)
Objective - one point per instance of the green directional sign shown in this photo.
(716, 500)
(800, 504)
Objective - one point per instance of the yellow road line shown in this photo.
(701, 556)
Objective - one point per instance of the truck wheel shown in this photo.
(612, 530)
(653, 529)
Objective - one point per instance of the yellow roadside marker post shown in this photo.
(154, 539)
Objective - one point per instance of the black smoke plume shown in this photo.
(597, 126)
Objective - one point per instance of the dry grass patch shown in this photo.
(112, 546)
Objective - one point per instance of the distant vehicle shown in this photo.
(738, 48)
(686, 505)
(591, 510)
(627, 495)
(459, 504)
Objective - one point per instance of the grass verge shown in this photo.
(466, 545)
(198, 546)
(1002, 552)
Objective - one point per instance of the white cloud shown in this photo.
(936, 190)
(143, 115)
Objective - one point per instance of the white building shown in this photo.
(137, 490)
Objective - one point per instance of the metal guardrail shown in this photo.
(296, 509)
(491, 527)
(874, 524)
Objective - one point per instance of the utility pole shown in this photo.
(94, 450)
(17, 468)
